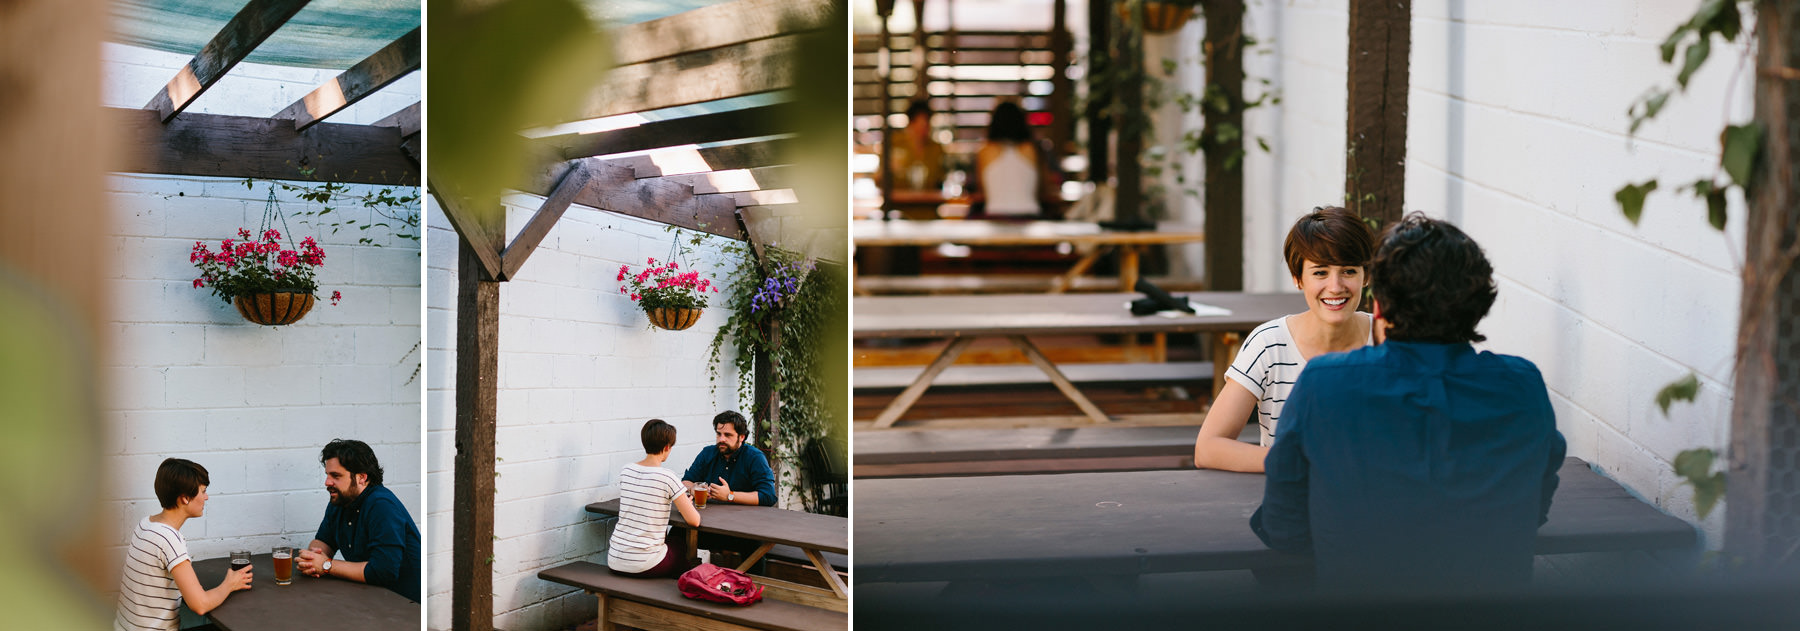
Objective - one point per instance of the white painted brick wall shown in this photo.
(1517, 132)
(252, 404)
(580, 372)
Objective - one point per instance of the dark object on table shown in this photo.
(1158, 300)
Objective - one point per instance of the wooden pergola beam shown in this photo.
(736, 180)
(717, 26)
(615, 188)
(243, 146)
(246, 30)
(742, 155)
(750, 122)
(555, 204)
(753, 67)
(473, 227)
(407, 119)
(386, 66)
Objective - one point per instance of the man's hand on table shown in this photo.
(722, 491)
(312, 562)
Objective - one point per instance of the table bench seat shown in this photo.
(656, 603)
(934, 284)
(1024, 451)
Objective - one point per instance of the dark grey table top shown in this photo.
(1128, 523)
(1056, 314)
(306, 604)
(903, 446)
(825, 533)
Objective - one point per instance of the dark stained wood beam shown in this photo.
(1375, 162)
(246, 30)
(546, 217)
(249, 147)
(742, 155)
(766, 120)
(480, 232)
(407, 119)
(477, 413)
(366, 77)
(717, 26)
(775, 197)
(755, 67)
(616, 188)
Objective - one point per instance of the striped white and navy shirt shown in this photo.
(148, 598)
(1268, 365)
(644, 497)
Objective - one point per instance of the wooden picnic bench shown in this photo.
(962, 319)
(1150, 522)
(656, 603)
(1023, 451)
(812, 534)
(866, 233)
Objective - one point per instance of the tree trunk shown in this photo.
(1762, 521)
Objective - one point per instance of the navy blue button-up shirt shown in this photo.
(376, 528)
(745, 470)
(1413, 464)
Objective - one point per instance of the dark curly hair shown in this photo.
(1328, 235)
(354, 456)
(737, 422)
(1432, 282)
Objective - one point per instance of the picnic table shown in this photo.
(962, 319)
(306, 603)
(1034, 526)
(867, 233)
(812, 533)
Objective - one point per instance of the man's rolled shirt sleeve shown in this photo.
(386, 547)
(1283, 522)
(762, 479)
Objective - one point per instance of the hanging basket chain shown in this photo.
(272, 213)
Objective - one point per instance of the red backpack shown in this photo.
(711, 582)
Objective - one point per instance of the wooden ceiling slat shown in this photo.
(742, 155)
(387, 65)
(246, 30)
(736, 180)
(252, 147)
(717, 26)
(755, 67)
(766, 120)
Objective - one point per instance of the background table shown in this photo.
(1129, 523)
(979, 232)
(810, 532)
(964, 318)
(308, 604)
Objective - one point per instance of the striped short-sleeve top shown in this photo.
(148, 597)
(1267, 365)
(645, 494)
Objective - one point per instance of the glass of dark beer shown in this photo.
(240, 559)
(284, 565)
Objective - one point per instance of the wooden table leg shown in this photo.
(831, 576)
(1159, 353)
(1128, 267)
(911, 395)
(693, 541)
(754, 557)
(1056, 377)
(1067, 280)
(604, 624)
(1224, 351)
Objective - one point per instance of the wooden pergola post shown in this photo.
(1128, 52)
(885, 68)
(1224, 189)
(477, 392)
(1062, 123)
(1375, 163)
(1762, 485)
(1099, 127)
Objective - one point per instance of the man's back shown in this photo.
(1413, 464)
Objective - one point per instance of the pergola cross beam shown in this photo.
(368, 76)
(254, 23)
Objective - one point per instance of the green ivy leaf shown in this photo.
(1674, 41)
(1715, 209)
(1696, 55)
(1739, 145)
(1683, 389)
(1631, 199)
(1694, 463)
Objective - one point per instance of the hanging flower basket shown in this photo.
(1159, 17)
(673, 319)
(274, 309)
(672, 297)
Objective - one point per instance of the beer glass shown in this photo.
(701, 491)
(240, 559)
(284, 565)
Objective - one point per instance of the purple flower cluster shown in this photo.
(781, 284)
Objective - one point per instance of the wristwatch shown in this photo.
(731, 497)
(326, 568)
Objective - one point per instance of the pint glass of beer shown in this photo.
(284, 565)
(700, 493)
(240, 559)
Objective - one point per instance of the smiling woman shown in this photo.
(1327, 252)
